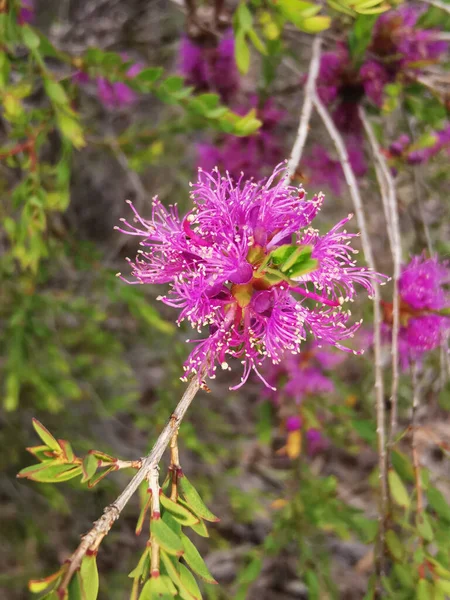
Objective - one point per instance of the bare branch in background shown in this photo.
(390, 206)
(305, 116)
(438, 4)
(415, 454)
(379, 384)
(93, 539)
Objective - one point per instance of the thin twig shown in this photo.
(389, 197)
(379, 385)
(438, 4)
(153, 484)
(112, 512)
(415, 454)
(307, 107)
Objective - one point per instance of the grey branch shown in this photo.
(389, 198)
(438, 4)
(305, 116)
(101, 527)
(367, 248)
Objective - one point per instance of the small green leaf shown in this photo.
(89, 577)
(142, 569)
(424, 590)
(398, 490)
(195, 561)
(30, 38)
(90, 465)
(180, 513)
(93, 482)
(46, 436)
(41, 453)
(200, 529)
(244, 17)
(166, 538)
(194, 502)
(56, 474)
(37, 586)
(443, 585)
(75, 590)
(394, 544)
(67, 450)
(55, 91)
(145, 507)
(315, 24)
(242, 52)
(189, 584)
(149, 75)
(424, 527)
(157, 587)
(438, 503)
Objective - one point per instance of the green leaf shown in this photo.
(149, 75)
(89, 577)
(189, 584)
(90, 465)
(200, 529)
(166, 538)
(244, 18)
(75, 590)
(67, 450)
(398, 490)
(46, 436)
(157, 587)
(443, 585)
(142, 569)
(71, 129)
(55, 91)
(194, 502)
(361, 36)
(180, 513)
(438, 503)
(315, 24)
(93, 481)
(30, 38)
(56, 474)
(257, 42)
(424, 527)
(394, 544)
(424, 590)
(195, 561)
(36, 586)
(145, 507)
(242, 52)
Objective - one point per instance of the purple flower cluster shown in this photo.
(397, 47)
(26, 12)
(254, 155)
(298, 376)
(424, 316)
(113, 94)
(404, 149)
(323, 169)
(210, 68)
(246, 264)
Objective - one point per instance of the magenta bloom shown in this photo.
(298, 376)
(113, 95)
(210, 68)
(322, 169)
(398, 42)
(424, 298)
(254, 155)
(315, 441)
(246, 265)
(26, 12)
(403, 147)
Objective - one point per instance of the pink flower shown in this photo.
(322, 169)
(246, 266)
(210, 68)
(26, 12)
(254, 155)
(424, 317)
